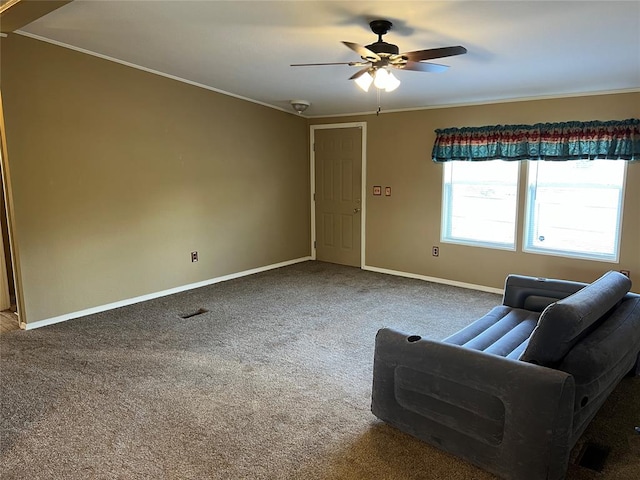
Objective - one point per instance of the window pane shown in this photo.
(574, 208)
(480, 203)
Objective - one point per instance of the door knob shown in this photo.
(356, 210)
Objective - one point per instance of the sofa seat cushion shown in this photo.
(504, 331)
(565, 322)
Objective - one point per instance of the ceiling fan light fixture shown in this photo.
(380, 78)
(385, 80)
(379, 57)
(364, 81)
(392, 83)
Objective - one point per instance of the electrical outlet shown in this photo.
(435, 251)
(194, 256)
(627, 273)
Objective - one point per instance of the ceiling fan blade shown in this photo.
(359, 73)
(351, 64)
(431, 53)
(320, 64)
(423, 67)
(363, 51)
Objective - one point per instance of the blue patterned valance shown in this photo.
(615, 140)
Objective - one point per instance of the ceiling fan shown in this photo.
(379, 57)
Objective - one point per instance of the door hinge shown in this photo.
(314, 244)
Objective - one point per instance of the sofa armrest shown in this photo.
(534, 293)
(506, 416)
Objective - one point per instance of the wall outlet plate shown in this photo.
(194, 256)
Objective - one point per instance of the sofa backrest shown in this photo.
(535, 294)
(600, 360)
(563, 323)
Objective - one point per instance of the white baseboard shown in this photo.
(443, 281)
(151, 296)
(183, 288)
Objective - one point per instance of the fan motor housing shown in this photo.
(384, 47)
(380, 28)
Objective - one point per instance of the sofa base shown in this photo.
(516, 430)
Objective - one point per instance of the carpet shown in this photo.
(271, 379)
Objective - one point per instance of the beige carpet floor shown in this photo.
(272, 382)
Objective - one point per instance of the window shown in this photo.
(574, 208)
(480, 203)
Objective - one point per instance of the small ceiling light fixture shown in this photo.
(385, 80)
(300, 105)
(364, 81)
(381, 78)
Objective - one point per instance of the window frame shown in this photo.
(445, 220)
(529, 205)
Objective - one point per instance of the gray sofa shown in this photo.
(513, 391)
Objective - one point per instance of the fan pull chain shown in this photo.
(379, 108)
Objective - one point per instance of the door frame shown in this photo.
(14, 261)
(363, 196)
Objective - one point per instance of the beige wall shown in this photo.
(119, 174)
(401, 229)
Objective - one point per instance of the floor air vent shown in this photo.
(200, 311)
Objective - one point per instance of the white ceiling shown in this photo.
(516, 49)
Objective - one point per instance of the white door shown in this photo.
(338, 195)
